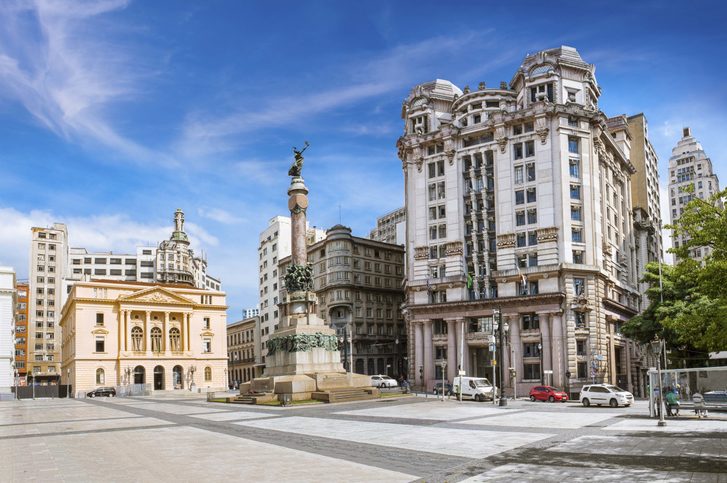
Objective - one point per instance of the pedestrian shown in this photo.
(700, 409)
(672, 403)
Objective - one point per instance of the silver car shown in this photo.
(381, 380)
(601, 394)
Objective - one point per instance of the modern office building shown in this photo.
(274, 246)
(519, 212)
(7, 332)
(169, 336)
(690, 176)
(391, 228)
(247, 313)
(22, 289)
(645, 199)
(359, 285)
(243, 355)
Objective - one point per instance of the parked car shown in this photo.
(102, 391)
(715, 399)
(478, 388)
(600, 394)
(547, 393)
(383, 381)
(447, 389)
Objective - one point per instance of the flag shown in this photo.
(469, 280)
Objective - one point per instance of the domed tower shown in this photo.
(175, 260)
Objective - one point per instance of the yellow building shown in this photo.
(166, 337)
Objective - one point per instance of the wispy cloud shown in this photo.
(56, 61)
(220, 216)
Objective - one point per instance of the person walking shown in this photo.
(700, 409)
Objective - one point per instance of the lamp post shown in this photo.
(540, 354)
(657, 346)
(192, 369)
(443, 364)
(504, 328)
(227, 382)
(68, 383)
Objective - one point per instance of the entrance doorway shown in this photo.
(158, 378)
(177, 379)
(139, 375)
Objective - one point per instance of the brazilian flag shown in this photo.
(469, 280)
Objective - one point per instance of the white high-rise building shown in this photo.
(48, 269)
(391, 227)
(519, 212)
(689, 168)
(275, 245)
(7, 331)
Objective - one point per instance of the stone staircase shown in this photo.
(345, 394)
(253, 398)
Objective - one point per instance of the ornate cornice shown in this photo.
(421, 253)
(547, 234)
(454, 248)
(506, 240)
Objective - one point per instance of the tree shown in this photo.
(690, 310)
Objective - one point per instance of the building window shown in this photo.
(575, 192)
(580, 347)
(575, 213)
(581, 321)
(207, 345)
(519, 218)
(206, 322)
(532, 216)
(100, 376)
(156, 339)
(519, 170)
(530, 349)
(530, 321)
(100, 344)
(579, 285)
(577, 235)
(99, 319)
(582, 370)
(575, 168)
(436, 169)
(577, 256)
(573, 145)
(531, 371)
(208, 373)
(532, 260)
(531, 197)
(529, 149)
(517, 151)
(532, 238)
(519, 197)
(137, 335)
(521, 240)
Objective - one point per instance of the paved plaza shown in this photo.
(176, 437)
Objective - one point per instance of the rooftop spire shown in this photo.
(179, 234)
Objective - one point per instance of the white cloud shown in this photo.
(112, 232)
(220, 216)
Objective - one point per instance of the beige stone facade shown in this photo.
(243, 339)
(165, 336)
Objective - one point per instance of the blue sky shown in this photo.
(115, 113)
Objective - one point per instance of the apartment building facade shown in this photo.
(359, 285)
(518, 208)
(274, 246)
(7, 331)
(391, 227)
(690, 176)
(243, 356)
(22, 289)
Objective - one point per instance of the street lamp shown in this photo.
(227, 383)
(540, 353)
(657, 346)
(504, 329)
(68, 383)
(443, 364)
(192, 369)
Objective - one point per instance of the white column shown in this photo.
(547, 341)
(560, 358)
(418, 352)
(451, 350)
(428, 360)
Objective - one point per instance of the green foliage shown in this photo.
(689, 310)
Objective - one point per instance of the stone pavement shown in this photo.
(175, 437)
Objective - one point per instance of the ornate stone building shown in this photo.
(689, 168)
(518, 198)
(120, 333)
(358, 283)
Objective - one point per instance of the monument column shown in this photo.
(428, 361)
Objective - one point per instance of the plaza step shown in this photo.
(253, 398)
(346, 394)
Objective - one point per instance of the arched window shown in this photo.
(156, 339)
(174, 339)
(207, 373)
(137, 335)
(100, 376)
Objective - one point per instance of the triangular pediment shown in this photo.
(156, 295)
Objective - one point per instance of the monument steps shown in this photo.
(345, 394)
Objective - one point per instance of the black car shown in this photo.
(102, 391)
(447, 389)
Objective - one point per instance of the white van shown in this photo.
(478, 388)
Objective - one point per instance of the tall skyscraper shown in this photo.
(519, 214)
(689, 169)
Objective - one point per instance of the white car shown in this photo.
(381, 380)
(600, 394)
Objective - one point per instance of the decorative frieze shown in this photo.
(421, 253)
(454, 248)
(506, 240)
(547, 234)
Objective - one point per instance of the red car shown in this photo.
(547, 393)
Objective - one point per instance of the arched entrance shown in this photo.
(158, 378)
(177, 377)
(139, 375)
